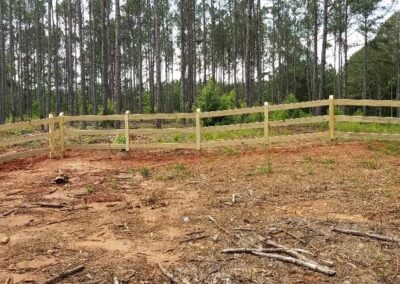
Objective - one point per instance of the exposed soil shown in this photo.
(120, 214)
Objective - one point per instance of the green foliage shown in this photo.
(177, 171)
(144, 171)
(367, 127)
(146, 102)
(119, 139)
(211, 98)
(90, 189)
(287, 114)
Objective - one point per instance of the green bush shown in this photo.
(211, 99)
(119, 139)
(288, 114)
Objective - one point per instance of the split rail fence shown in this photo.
(57, 132)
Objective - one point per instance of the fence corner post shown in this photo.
(331, 118)
(51, 136)
(62, 135)
(198, 133)
(266, 123)
(127, 140)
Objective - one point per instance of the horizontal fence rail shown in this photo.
(58, 129)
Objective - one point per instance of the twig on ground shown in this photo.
(288, 251)
(251, 250)
(244, 229)
(219, 226)
(364, 234)
(64, 274)
(294, 236)
(63, 220)
(218, 268)
(167, 274)
(8, 212)
(50, 205)
(193, 239)
(195, 232)
(310, 265)
(227, 232)
(8, 280)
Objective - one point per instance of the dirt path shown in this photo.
(123, 213)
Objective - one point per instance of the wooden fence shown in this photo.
(58, 132)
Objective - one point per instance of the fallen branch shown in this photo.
(310, 265)
(219, 226)
(193, 239)
(63, 220)
(294, 236)
(167, 274)
(289, 251)
(211, 272)
(368, 235)
(64, 274)
(8, 212)
(228, 233)
(251, 250)
(50, 205)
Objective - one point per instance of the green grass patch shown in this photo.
(369, 164)
(391, 148)
(367, 127)
(119, 139)
(176, 171)
(144, 171)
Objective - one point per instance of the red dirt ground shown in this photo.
(119, 223)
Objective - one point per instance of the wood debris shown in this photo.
(366, 234)
(64, 274)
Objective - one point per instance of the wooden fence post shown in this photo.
(51, 136)
(198, 133)
(266, 122)
(331, 118)
(62, 135)
(127, 140)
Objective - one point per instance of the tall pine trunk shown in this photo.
(117, 86)
(82, 59)
(323, 51)
(104, 56)
(2, 67)
(365, 66)
(248, 53)
(11, 61)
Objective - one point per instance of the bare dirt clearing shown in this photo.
(121, 214)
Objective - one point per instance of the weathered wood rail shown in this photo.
(57, 132)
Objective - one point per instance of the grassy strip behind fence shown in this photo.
(197, 136)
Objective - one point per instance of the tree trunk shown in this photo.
(259, 54)
(11, 61)
(365, 67)
(50, 43)
(117, 86)
(82, 59)
(235, 53)
(204, 42)
(345, 47)
(315, 60)
(323, 52)
(158, 58)
(248, 53)
(2, 67)
(38, 69)
(104, 55)
(140, 57)
(213, 60)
